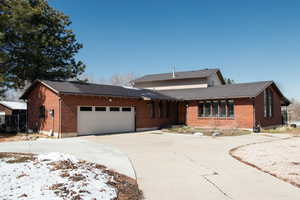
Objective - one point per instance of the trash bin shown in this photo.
(256, 129)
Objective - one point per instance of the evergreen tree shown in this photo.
(35, 43)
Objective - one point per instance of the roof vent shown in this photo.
(173, 74)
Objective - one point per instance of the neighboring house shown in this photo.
(13, 116)
(195, 98)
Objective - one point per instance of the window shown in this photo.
(114, 109)
(126, 109)
(168, 107)
(101, 109)
(230, 106)
(223, 109)
(270, 99)
(161, 110)
(165, 107)
(42, 113)
(215, 109)
(201, 109)
(86, 108)
(265, 104)
(207, 109)
(151, 109)
(268, 103)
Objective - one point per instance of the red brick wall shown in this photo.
(243, 117)
(41, 95)
(70, 105)
(5, 109)
(259, 110)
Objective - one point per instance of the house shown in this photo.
(195, 98)
(12, 116)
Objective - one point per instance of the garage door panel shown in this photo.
(97, 122)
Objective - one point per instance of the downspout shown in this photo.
(26, 121)
(59, 131)
(186, 107)
(254, 113)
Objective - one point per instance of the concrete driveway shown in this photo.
(170, 166)
(104, 154)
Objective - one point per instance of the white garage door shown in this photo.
(97, 120)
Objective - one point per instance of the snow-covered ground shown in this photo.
(53, 176)
(280, 158)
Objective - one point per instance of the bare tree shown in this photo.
(13, 94)
(294, 110)
(115, 79)
(122, 79)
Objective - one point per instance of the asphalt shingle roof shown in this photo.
(14, 105)
(102, 90)
(219, 92)
(243, 90)
(178, 75)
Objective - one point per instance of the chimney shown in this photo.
(173, 71)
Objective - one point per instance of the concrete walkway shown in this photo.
(178, 167)
(104, 154)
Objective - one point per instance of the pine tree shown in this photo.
(35, 43)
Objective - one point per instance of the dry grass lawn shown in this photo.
(280, 158)
(12, 137)
(207, 132)
(284, 129)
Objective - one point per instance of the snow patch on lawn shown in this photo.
(281, 158)
(54, 157)
(54, 176)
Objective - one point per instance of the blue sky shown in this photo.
(248, 40)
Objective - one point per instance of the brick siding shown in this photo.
(70, 105)
(42, 95)
(259, 110)
(243, 116)
(39, 96)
